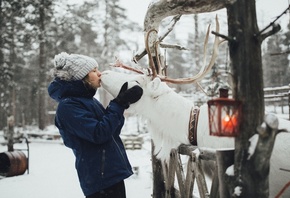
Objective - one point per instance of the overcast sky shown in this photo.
(267, 10)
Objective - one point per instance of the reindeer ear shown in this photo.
(156, 87)
(154, 84)
(153, 87)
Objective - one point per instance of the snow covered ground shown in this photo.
(52, 173)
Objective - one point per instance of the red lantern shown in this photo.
(224, 115)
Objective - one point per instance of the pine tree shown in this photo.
(11, 49)
(275, 66)
(286, 43)
(178, 66)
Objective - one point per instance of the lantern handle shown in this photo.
(224, 92)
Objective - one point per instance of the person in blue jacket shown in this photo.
(89, 129)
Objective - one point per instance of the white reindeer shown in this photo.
(168, 115)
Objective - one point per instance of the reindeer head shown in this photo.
(152, 89)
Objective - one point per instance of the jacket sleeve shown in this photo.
(74, 118)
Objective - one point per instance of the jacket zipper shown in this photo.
(103, 163)
(119, 150)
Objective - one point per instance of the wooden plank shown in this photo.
(158, 176)
(205, 153)
(200, 180)
(225, 158)
(179, 174)
(214, 190)
(190, 177)
(194, 173)
(171, 175)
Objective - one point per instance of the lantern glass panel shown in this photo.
(224, 117)
(214, 120)
(229, 120)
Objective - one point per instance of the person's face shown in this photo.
(94, 78)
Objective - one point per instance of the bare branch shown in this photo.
(175, 19)
(275, 28)
(118, 63)
(224, 36)
(272, 24)
(280, 53)
(159, 10)
(179, 47)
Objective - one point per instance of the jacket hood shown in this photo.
(59, 89)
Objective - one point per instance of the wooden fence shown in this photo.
(174, 173)
(132, 142)
(278, 97)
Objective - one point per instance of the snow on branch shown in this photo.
(158, 10)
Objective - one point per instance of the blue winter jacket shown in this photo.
(92, 132)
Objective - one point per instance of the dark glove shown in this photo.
(128, 96)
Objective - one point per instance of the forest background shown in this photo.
(34, 31)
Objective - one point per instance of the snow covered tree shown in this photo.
(286, 52)
(11, 48)
(177, 63)
(111, 22)
(275, 66)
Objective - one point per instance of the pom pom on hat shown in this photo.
(73, 66)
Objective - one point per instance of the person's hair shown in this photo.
(86, 82)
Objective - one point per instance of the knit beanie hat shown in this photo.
(73, 66)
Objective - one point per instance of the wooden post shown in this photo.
(169, 175)
(200, 179)
(179, 174)
(289, 102)
(190, 177)
(214, 191)
(246, 64)
(282, 103)
(10, 133)
(158, 177)
(245, 54)
(224, 159)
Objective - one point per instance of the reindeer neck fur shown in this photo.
(167, 114)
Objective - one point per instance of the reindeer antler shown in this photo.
(205, 68)
(151, 42)
(118, 63)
